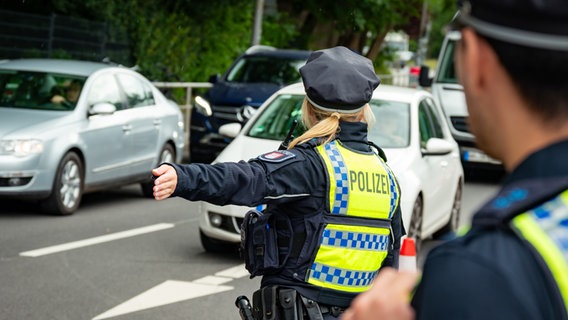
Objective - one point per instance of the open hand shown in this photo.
(165, 182)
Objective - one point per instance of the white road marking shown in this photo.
(168, 292)
(96, 240)
(212, 280)
(234, 272)
(172, 291)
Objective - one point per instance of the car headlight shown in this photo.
(203, 106)
(20, 148)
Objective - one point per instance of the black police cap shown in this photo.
(338, 79)
(533, 23)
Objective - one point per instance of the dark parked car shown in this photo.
(235, 96)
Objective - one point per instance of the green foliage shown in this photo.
(279, 30)
(442, 12)
(189, 40)
(174, 40)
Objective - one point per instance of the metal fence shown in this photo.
(25, 35)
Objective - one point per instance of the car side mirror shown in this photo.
(424, 77)
(437, 147)
(230, 130)
(103, 108)
(214, 78)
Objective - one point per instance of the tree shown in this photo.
(357, 24)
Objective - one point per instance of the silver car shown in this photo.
(70, 127)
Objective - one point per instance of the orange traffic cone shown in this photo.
(407, 258)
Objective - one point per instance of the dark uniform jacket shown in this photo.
(489, 273)
(295, 185)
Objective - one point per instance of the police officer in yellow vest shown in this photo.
(332, 219)
(512, 61)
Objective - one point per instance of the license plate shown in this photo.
(476, 155)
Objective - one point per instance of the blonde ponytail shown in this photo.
(324, 125)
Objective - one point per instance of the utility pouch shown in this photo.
(259, 242)
(264, 303)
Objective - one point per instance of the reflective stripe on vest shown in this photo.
(546, 229)
(361, 185)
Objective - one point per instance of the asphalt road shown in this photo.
(125, 257)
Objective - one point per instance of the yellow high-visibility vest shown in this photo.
(363, 196)
(546, 229)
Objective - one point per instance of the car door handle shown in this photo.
(127, 128)
(444, 164)
(157, 122)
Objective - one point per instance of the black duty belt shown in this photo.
(273, 302)
(333, 310)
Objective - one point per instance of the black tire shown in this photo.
(216, 246)
(67, 189)
(453, 223)
(415, 227)
(168, 154)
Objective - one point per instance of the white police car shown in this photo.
(410, 128)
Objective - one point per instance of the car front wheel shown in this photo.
(453, 224)
(415, 228)
(67, 188)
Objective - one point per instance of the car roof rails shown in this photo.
(259, 48)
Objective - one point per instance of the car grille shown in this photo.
(460, 124)
(226, 113)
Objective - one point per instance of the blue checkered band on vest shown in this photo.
(341, 179)
(355, 240)
(342, 276)
(552, 217)
(393, 190)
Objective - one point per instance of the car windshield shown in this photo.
(276, 120)
(446, 72)
(39, 90)
(251, 69)
(392, 129)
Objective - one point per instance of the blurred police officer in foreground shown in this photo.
(332, 218)
(513, 263)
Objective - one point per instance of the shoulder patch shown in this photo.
(277, 156)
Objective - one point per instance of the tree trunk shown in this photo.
(376, 45)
